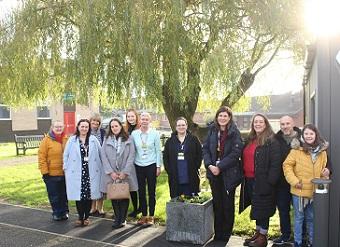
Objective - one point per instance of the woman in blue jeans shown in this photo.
(50, 157)
(302, 165)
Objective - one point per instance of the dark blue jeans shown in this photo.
(283, 202)
(56, 190)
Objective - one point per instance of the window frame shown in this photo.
(10, 113)
(49, 112)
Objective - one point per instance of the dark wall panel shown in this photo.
(334, 226)
(7, 135)
(327, 77)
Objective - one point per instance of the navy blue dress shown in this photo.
(85, 193)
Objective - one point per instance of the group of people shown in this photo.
(277, 169)
(80, 167)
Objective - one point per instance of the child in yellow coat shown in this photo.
(302, 165)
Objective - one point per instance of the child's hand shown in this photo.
(299, 185)
(325, 173)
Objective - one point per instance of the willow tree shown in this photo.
(163, 51)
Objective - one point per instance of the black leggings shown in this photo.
(134, 200)
(83, 209)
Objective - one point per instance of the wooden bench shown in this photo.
(27, 142)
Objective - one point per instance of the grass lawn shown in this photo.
(8, 150)
(23, 185)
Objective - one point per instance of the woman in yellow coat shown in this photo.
(50, 157)
(302, 165)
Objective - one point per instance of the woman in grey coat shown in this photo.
(118, 154)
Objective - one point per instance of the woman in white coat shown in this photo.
(118, 154)
(82, 167)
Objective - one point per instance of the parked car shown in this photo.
(106, 121)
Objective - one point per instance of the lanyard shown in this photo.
(182, 144)
(145, 140)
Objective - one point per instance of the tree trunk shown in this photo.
(185, 106)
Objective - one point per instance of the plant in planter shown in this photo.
(203, 197)
(190, 219)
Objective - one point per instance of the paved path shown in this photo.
(19, 160)
(21, 227)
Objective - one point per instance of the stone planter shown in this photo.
(189, 222)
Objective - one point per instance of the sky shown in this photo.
(6, 6)
(280, 77)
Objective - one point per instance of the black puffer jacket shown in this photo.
(284, 151)
(193, 155)
(232, 151)
(267, 174)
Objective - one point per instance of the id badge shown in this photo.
(86, 158)
(180, 156)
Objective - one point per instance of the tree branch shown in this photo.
(270, 59)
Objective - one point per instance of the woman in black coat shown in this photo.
(182, 160)
(262, 169)
(221, 153)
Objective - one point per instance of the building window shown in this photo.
(43, 112)
(312, 110)
(5, 112)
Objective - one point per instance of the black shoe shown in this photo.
(117, 225)
(95, 213)
(282, 240)
(56, 218)
(64, 217)
(101, 215)
(133, 214)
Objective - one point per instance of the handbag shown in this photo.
(117, 190)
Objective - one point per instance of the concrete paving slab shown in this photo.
(23, 226)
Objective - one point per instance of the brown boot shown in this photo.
(248, 240)
(260, 241)
(142, 221)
